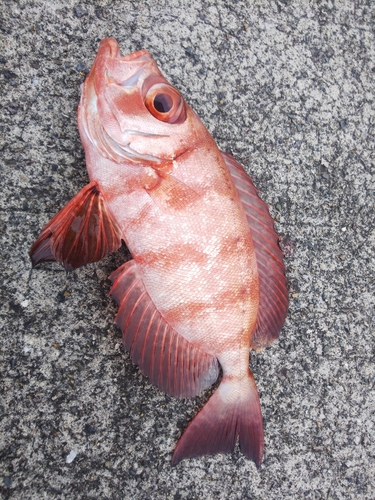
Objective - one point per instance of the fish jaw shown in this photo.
(114, 114)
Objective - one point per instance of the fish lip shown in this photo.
(111, 47)
(140, 55)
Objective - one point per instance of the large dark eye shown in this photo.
(165, 103)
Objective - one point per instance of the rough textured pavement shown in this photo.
(287, 87)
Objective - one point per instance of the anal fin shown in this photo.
(82, 232)
(172, 363)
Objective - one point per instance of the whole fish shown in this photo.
(206, 281)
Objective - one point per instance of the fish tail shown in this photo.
(233, 412)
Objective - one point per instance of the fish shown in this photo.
(206, 282)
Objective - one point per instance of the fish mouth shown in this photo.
(140, 55)
(111, 49)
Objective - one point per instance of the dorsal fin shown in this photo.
(273, 286)
(82, 232)
(171, 362)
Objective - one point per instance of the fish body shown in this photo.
(206, 280)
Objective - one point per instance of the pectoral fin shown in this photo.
(82, 232)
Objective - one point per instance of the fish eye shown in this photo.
(165, 103)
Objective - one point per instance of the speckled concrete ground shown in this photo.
(287, 88)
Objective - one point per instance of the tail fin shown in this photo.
(232, 412)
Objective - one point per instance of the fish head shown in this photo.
(130, 113)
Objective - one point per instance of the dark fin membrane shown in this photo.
(274, 298)
(224, 420)
(165, 357)
(82, 232)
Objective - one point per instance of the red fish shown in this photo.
(206, 281)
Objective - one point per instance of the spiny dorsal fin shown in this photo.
(273, 290)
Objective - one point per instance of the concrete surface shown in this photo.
(288, 88)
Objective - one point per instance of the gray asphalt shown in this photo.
(288, 89)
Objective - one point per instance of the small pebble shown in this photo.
(89, 429)
(72, 455)
(7, 482)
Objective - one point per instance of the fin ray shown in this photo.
(171, 362)
(223, 420)
(274, 299)
(82, 232)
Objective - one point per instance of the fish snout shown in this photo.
(110, 48)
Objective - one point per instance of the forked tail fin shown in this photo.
(233, 412)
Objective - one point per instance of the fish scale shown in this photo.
(206, 280)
